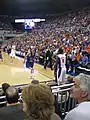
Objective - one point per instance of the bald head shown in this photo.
(12, 95)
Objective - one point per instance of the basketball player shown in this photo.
(29, 60)
(61, 66)
(13, 53)
(8, 50)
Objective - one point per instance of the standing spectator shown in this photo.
(48, 58)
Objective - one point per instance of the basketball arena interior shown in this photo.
(44, 60)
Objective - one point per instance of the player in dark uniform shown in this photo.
(29, 60)
(1, 58)
(8, 50)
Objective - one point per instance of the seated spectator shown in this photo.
(13, 111)
(81, 92)
(78, 57)
(38, 103)
(84, 60)
(69, 79)
(5, 86)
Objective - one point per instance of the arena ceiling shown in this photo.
(27, 7)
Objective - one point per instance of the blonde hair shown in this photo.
(39, 100)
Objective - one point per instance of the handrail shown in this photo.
(22, 85)
(61, 86)
(2, 97)
(59, 91)
(3, 102)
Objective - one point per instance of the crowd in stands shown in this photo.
(70, 31)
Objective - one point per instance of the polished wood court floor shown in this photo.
(15, 73)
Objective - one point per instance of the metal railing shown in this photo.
(63, 97)
(62, 94)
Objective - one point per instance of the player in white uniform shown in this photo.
(61, 67)
(13, 53)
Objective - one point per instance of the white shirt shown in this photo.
(62, 58)
(82, 112)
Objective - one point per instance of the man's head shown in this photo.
(81, 89)
(38, 101)
(5, 86)
(12, 95)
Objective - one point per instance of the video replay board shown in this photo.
(29, 23)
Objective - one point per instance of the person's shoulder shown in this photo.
(79, 112)
(8, 109)
(59, 55)
(71, 115)
(12, 112)
(84, 105)
(64, 54)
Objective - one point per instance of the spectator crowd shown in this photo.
(70, 31)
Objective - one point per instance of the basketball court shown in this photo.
(15, 73)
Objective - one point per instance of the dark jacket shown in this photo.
(12, 112)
